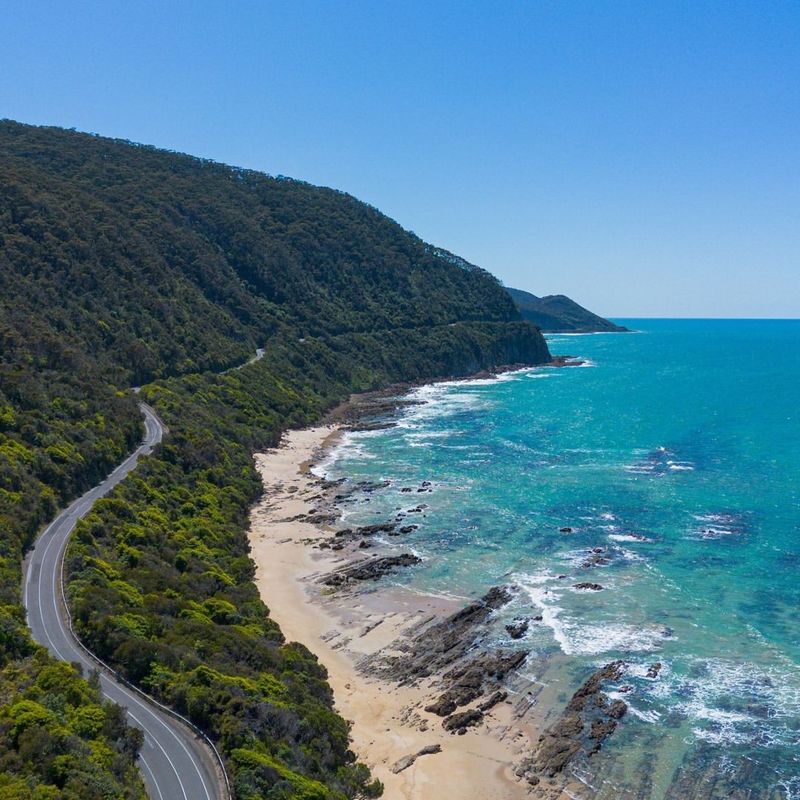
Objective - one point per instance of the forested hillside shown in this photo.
(121, 265)
(557, 313)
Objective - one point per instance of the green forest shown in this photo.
(122, 265)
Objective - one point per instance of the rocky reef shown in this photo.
(589, 718)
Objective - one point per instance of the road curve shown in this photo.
(176, 764)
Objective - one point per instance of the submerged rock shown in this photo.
(596, 559)
(653, 670)
(517, 630)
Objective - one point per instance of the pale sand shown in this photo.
(387, 720)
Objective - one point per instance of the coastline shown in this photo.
(389, 721)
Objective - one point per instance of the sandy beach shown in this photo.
(389, 722)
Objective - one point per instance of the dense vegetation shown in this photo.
(556, 313)
(59, 740)
(120, 265)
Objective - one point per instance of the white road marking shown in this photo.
(166, 755)
(153, 780)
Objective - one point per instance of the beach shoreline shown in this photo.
(388, 720)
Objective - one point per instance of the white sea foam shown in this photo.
(646, 716)
(790, 787)
(425, 438)
(713, 517)
(554, 337)
(641, 468)
(715, 533)
(604, 638)
(660, 462)
(628, 537)
(577, 637)
(722, 702)
(500, 378)
(717, 525)
(437, 401)
(350, 445)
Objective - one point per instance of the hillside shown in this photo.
(120, 265)
(557, 313)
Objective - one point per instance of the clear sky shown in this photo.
(642, 157)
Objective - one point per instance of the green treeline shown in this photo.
(123, 265)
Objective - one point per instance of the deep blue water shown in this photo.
(676, 449)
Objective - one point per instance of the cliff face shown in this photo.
(557, 313)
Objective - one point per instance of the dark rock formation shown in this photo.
(450, 649)
(469, 679)
(596, 559)
(370, 426)
(445, 642)
(653, 670)
(517, 630)
(594, 587)
(321, 518)
(370, 570)
(496, 698)
(588, 719)
(462, 720)
(372, 530)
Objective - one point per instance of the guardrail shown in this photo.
(125, 682)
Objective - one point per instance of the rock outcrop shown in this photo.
(406, 761)
(370, 569)
(588, 720)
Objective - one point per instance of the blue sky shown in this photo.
(642, 157)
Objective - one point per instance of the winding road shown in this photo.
(176, 763)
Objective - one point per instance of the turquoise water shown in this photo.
(676, 449)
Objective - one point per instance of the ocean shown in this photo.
(665, 469)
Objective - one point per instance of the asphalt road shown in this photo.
(176, 764)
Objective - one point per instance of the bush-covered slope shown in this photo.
(163, 264)
(59, 740)
(122, 264)
(557, 313)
